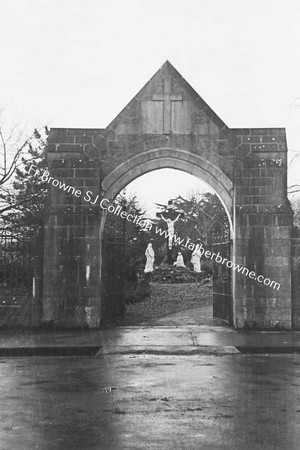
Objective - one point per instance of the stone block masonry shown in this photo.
(167, 124)
(263, 224)
(71, 271)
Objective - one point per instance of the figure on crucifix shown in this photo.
(168, 215)
(171, 230)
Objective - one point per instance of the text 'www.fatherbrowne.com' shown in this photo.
(186, 242)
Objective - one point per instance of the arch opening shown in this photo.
(151, 161)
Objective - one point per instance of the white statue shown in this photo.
(196, 259)
(179, 261)
(170, 224)
(149, 259)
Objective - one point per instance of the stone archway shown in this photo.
(167, 124)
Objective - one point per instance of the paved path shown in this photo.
(202, 315)
(176, 340)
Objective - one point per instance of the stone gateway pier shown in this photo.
(168, 125)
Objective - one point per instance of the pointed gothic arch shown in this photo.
(161, 158)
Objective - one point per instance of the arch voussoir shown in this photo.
(169, 158)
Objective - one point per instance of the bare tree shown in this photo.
(292, 189)
(295, 202)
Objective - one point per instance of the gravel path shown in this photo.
(165, 300)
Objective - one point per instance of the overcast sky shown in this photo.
(77, 63)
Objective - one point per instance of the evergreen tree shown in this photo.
(132, 239)
(200, 213)
(23, 200)
(135, 237)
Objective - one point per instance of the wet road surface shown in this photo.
(150, 402)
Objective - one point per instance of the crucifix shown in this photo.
(168, 217)
(171, 232)
(167, 98)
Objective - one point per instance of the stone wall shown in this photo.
(263, 227)
(71, 252)
(296, 279)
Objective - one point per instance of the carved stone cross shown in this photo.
(167, 98)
